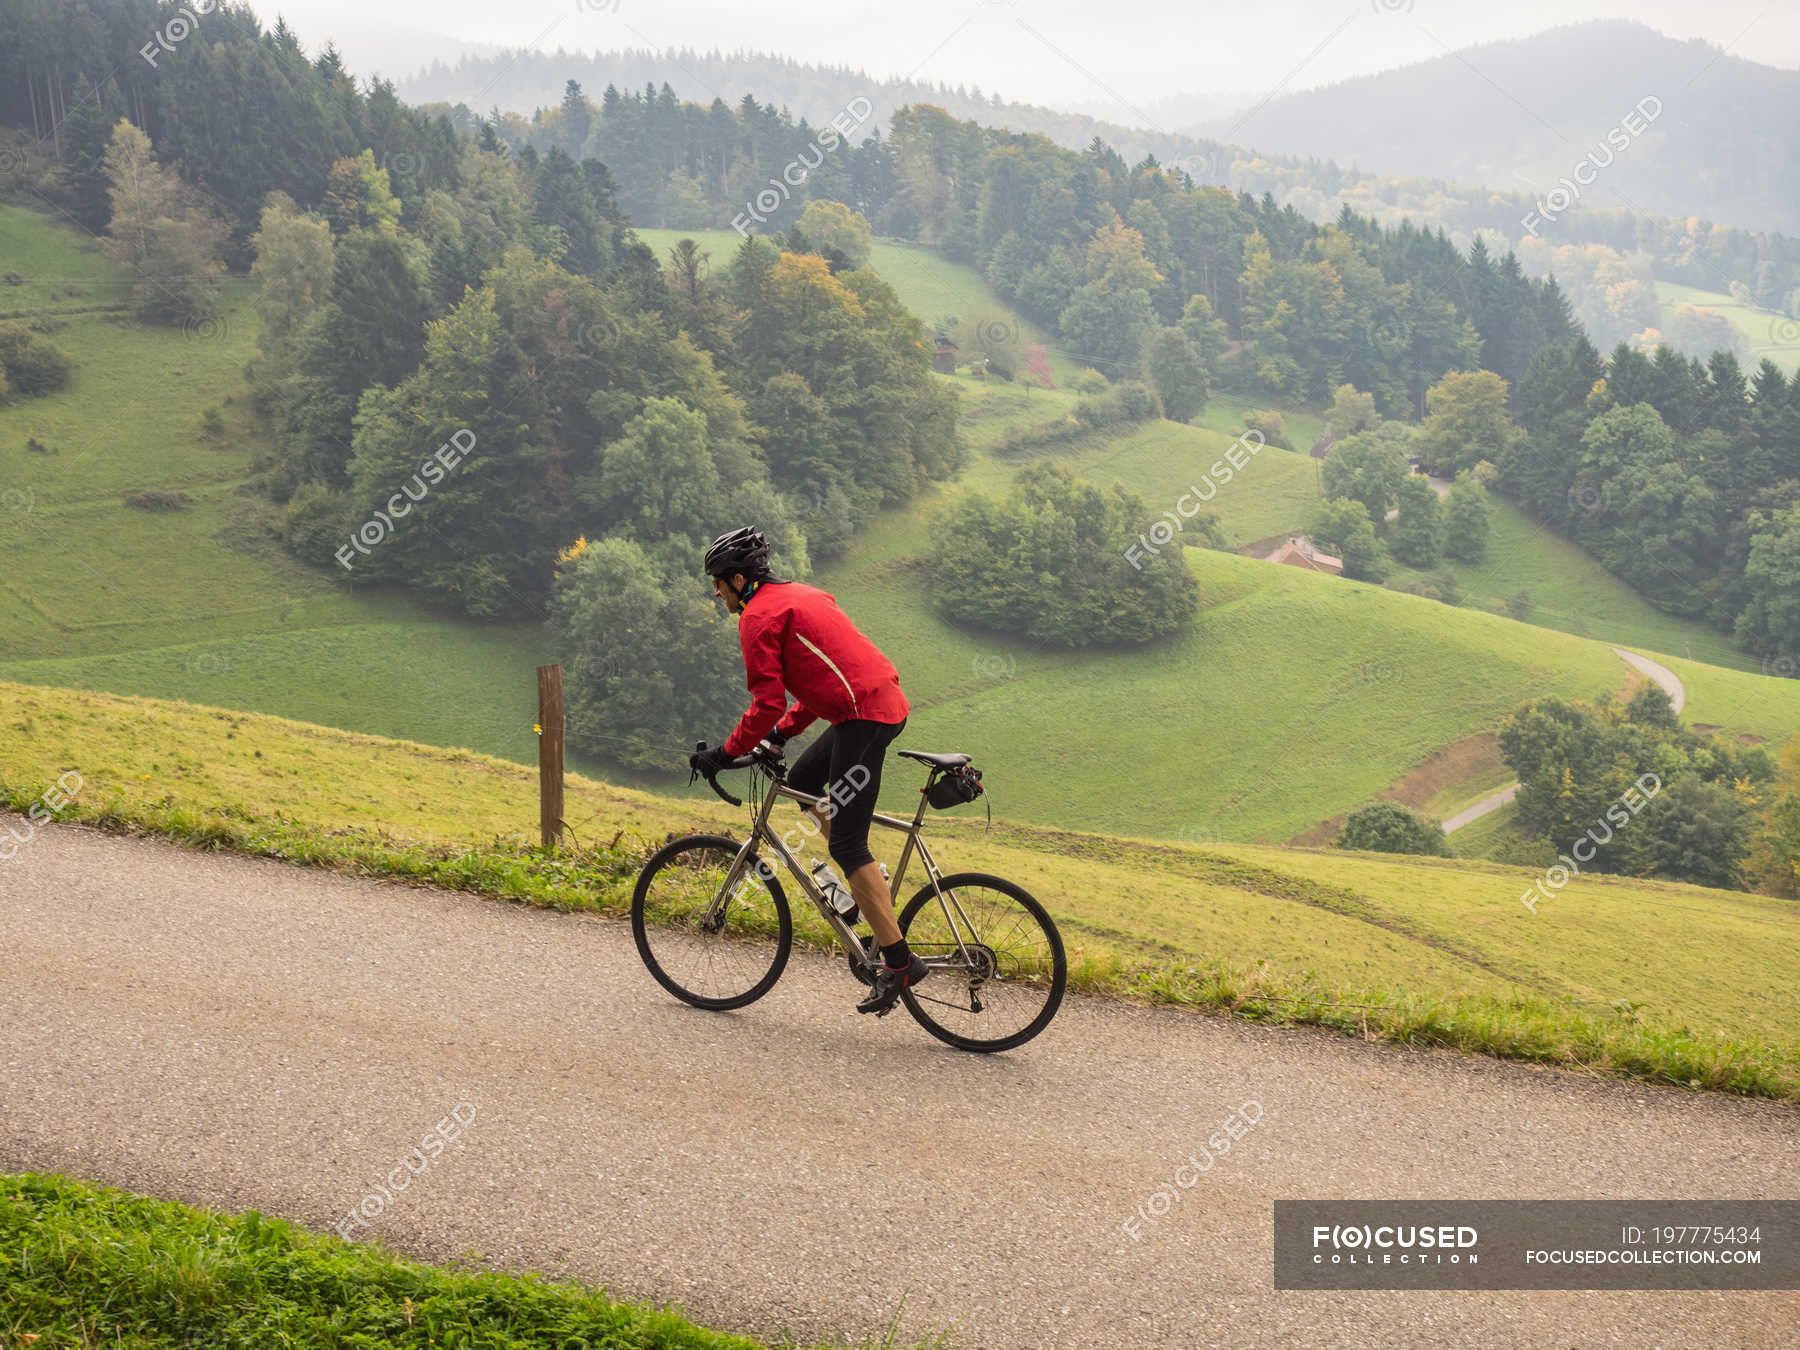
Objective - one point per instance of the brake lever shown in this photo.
(712, 780)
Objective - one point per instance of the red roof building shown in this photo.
(1299, 551)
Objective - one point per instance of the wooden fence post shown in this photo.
(550, 754)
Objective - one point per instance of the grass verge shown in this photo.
(85, 1265)
(1394, 949)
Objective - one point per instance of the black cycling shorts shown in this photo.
(844, 765)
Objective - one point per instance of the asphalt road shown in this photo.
(237, 1033)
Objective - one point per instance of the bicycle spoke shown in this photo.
(714, 952)
(997, 968)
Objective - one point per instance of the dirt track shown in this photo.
(238, 1033)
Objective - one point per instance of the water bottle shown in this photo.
(837, 895)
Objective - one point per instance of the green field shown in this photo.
(1183, 739)
(1765, 332)
(199, 603)
(1442, 948)
(1571, 592)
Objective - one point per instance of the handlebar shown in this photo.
(765, 755)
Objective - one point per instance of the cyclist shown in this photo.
(797, 641)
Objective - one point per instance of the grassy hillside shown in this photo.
(1571, 592)
(1765, 332)
(1292, 698)
(198, 604)
(1616, 972)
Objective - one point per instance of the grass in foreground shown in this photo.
(1618, 976)
(85, 1265)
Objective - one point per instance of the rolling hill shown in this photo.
(1517, 116)
(1292, 700)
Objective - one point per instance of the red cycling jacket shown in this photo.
(797, 641)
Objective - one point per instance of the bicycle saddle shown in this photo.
(936, 761)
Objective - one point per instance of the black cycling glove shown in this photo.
(712, 761)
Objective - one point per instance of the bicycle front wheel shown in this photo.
(712, 950)
(997, 965)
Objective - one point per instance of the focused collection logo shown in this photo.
(1352, 1244)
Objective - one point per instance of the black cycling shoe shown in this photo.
(889, 983)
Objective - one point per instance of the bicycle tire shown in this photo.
(642, 929)
(1053, 940)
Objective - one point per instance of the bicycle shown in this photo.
(712, 923)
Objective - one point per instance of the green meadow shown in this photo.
(1293, 698)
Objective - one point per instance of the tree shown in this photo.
(1641, 794)
(1417, 536)
(358, 197)
(293, 269)
(1770, 623)
(1341, 526)
(1467, 422)
(650, 661)
(1055, 534)
(1467, 521)
(1178, 371)
(160, 230)
(992, 335)
(832, 227)
(1206, 332)
(1351, 412)
(474, 538)
(1389, 827)
(1775, 848)
(1369, 468)
(658, 481)
(371, 331)
(1106, 328)
(1699, 832)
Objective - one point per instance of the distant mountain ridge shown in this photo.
(522, 81)
(1510, 116)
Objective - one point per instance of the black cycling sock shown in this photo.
(898, 956)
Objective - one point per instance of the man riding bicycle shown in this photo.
(797, 641)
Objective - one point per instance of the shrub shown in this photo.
(1389, 827)
(12, 279)
(1439, 586)
(1519, 605)
(1059, 559)
(1273, 429)
(155, 499)
(1090, 381)
(37, 447)
(33, 366)
(1118, 406)
(314, 523)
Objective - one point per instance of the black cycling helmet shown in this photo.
(741, 550)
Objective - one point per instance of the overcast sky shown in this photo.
(1056, 52)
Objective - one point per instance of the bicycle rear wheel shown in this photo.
(712, 960)
(997, 966)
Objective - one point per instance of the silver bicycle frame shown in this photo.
(760, 832)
